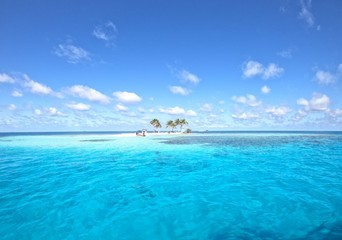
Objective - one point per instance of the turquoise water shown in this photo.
(201, 186)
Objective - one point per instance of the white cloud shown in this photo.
(272, 70)
(245, 116)
(206, 107)
(189, 77)
(121, 108)
(178, 111)
(12, 107)
(72, 53)
(78, 106)
(127, 97)
(54, 112)
(265, 89)
(173, 111)
(253, 68)
(299, 115)
(278, 111)
(302, 113)
(179, 90)
(324, 77)
(4, 78)
(106, 32)
(38, 112)
(88, 93)
(191, 113)
(249, 100)
(305, 12)
(318, 102)
(16, 93)
(303, 102)
(336, 112)
(36, 87)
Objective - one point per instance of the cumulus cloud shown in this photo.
(272, 70)
(78, 106)
(179, 90)
(88, 93)
(305, 12)
(4, 78)
(177, 111)
(189, 77)
(54, 112)
(265, 89)
(191, 113)
(106, 32)
(72, 53)
(326, 77)
(318, 102)
(16, 93)
(249, 100)
(38, 112)
(278, 111)
(303, 102)
(127, 97)
(36, 87)
(254, 68)
(245, 116)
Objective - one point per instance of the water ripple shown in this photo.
(196, 187)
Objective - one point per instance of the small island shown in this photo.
(171, 124)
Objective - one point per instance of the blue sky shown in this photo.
(222, 65)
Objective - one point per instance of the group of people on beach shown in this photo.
(141, 133)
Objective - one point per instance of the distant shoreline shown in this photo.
(151, 134)
(162, 133)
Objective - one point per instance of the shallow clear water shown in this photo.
(202, 186)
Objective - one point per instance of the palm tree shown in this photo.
(171, 124)
(156, 124)
(182, 122)
(178, 122)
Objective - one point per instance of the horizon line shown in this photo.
(194, 131)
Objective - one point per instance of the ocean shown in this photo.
(211, 185)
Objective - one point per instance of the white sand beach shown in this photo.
(150, 134)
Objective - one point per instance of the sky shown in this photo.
(222, 65)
